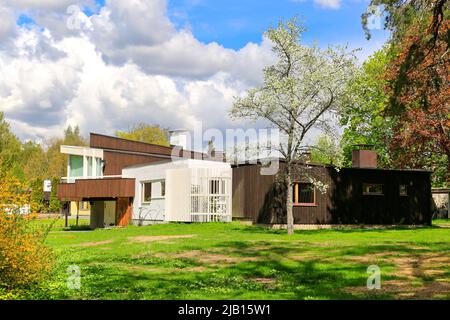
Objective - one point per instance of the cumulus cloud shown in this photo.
(125, 64)
(7, 26)
(331, 4)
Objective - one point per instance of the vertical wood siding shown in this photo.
(262, 199)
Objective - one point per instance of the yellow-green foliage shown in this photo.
(146, 133)
(24, 258)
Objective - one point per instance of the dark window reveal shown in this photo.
(146, 192)
(373, 189)
(304, 194)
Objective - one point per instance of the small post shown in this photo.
(67, 216)
(448, 205)
(78, 211)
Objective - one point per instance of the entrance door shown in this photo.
(110, 213)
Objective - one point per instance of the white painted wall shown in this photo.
(177, 174)
(178, 195)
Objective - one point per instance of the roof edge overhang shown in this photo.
(81, 151)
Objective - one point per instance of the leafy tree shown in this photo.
(57, 162)
(417, 79)
(327, 151)
(37, 196)
(10, 149)
(33, 161)
(305, 86)
(54, 203)
(365, 121)
(146, 133)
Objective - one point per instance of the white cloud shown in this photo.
(117, 74)
(329, 4)
(7, 26)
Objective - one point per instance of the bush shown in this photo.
(24, 258)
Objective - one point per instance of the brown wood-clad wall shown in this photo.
(262, 199)
(96, 188)
(115, 162)
(114, 143)
(123, 211)
(106, 142)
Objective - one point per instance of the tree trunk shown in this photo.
(290, 215)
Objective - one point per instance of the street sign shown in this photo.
(47, 186)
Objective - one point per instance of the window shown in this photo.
(304, 194)
(214, 187)
(99, 166)
(146, 192)
(76, 166)
(85, 205)
(373, 189)
(89, 163)
(403, 190)
(163, 188)
(153, 190)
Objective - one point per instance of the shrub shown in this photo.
(24, 258)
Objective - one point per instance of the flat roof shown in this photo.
(261, 161)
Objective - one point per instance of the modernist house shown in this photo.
(363, 194)
(133, 182)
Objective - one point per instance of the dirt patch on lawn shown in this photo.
(142, 239)
(404, 289)
(422, 276)
(93, 244)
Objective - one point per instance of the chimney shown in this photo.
(363, 157)
(179, 138)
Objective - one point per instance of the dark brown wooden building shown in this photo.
(362, 194)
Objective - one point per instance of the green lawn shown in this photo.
(234, 261)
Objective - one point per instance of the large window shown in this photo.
(153, 190)
(374, 189)
(89, 162)
(99, 165)
(76, 166)
(304, 194)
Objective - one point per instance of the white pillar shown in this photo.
(94, 167)
(85, 165)
(68, 167)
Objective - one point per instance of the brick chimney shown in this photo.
(363, 157)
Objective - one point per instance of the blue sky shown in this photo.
(233, 23)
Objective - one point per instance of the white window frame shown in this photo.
(160, 197)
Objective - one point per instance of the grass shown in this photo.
(233, 261)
